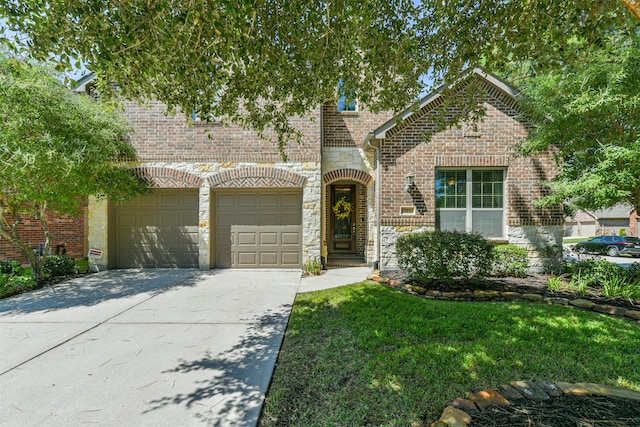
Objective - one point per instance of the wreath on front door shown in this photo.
(342, 209)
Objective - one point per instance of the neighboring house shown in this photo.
(610, 222)
(222, 196)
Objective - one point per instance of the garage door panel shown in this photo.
(169, 200)
(169, 220)
(291, 259)
(124, 219)
(245, 239)
(291, 200)
(269, 200)
(267, 218)
(157, 230)
(292, 218)
(268, 238)
(250, 232)
(148, 200)
(246, 218)
(290, 239)
(269, 259)
(247, 200)
(247, 259)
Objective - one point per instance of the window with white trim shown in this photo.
(471, 200)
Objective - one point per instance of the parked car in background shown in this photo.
(610, 245)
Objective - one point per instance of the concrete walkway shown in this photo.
(148, 347)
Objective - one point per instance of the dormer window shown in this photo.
(346, 98)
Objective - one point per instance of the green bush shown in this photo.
(59, 265)
(596, 272)
(11, 268)
(511, 261)
(444, 255)
(633, 272)
(551, 258)
(16, 284)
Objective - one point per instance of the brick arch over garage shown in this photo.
(358, 176)
(159, 177)
(256, 177)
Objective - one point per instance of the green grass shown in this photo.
(570, 240)
(371, 355)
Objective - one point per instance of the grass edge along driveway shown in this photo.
(366, 354)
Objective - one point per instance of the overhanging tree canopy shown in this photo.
(589, 112)
(261, 62)
(56, 148)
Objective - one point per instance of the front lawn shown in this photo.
(367, 354)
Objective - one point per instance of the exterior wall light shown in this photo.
(409, 182)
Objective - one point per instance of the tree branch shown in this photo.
(633, 6)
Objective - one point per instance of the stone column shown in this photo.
(98, 224)
(204, 228)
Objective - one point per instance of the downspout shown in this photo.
(378, 192)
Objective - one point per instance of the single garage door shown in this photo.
(156, 230)
(258, 229)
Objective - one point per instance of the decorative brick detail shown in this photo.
(159, 177)
(347, 175)
(256, 177)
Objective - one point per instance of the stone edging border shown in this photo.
(459, 413)
(491, 295)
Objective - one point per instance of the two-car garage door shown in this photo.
(253, 228)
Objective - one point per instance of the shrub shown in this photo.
(444, 255)
(59, 265)
(551, 257)
(17, 284)
(510, 260)
(598, 271)
(11, 268)
(633, 272)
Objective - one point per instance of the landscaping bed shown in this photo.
(530, 284)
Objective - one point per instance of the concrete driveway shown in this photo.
(144, 347)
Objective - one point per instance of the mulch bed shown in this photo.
(566, 410)
(532, 283)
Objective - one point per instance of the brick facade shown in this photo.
(405, 151)
(69, 232)
(161, 137)
(175, 152)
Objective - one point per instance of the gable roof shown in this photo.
(381, 132)
(621, 210)
(84, 81)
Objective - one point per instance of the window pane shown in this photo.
(488, 187)
(451, 220)
(487, 223)
(451, 188)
